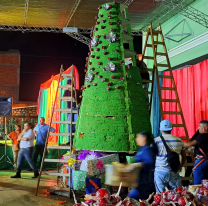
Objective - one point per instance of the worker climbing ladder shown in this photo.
(152, 41)
(60, 87)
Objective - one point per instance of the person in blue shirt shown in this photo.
(144, 159)
(40, 131)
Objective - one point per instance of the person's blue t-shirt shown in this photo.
(42, 131)
(145, 155)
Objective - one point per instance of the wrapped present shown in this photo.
(130, 159)
(92, 185)
(79, 179)
(73, 161)
(85, 153)
(84, 166)
(96, 166)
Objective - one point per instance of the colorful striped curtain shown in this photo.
(46, 100)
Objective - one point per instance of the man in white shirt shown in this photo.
(164, 176)
(26, 149)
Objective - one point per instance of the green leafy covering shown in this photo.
(110, 120)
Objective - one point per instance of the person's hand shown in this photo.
(186, 144)
(132, 167)
(24, 130)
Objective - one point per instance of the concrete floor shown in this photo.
(21, 192)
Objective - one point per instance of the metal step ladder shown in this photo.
(153, 37)
(58, 160)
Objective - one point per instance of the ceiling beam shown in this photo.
(72, 12)
(79, 37)
(26, 11)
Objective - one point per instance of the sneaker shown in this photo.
(16, 176)
(36, 174)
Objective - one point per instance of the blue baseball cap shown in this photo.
(166, 125)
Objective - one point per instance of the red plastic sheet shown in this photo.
(192, 87)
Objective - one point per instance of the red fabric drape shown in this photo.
(192, 87)
(48, 83)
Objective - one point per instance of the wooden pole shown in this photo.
(46, 143)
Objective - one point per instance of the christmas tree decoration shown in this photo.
(106, 6)
(110, 67)
(93, 42)
(89, 77)
(114, 107)
(111, 37)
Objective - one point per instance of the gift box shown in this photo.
(73, 161)
(79, 179)
(92, 185)
(84, 166)
(96, 166)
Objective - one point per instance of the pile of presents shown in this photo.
(88, 170)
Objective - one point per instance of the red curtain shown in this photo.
(192, 87)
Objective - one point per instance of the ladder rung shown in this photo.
(63, 122)
(160, 54)
(57, 174)
(149, 45)
(146, 70)
(128, 53)
(169, 112)
(65, 87)
(162, 65)
(166, 88)
(188, 165)
(65, 110)
(169, 100)
(147, 81)
(146, 57)
(178, 125)
(55, 160)
(156, 32)
(158, 42)
(66, 75)
(66, 99)
(60, 134)
(186, 178)
(58, 147)
(148, 92)
(166, 77)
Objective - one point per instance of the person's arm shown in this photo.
(35, 133)
(20, 137)
(183, 155)
(190, 144)
(8, 137)
(35, 130)
(52, 130)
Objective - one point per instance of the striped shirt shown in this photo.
(174, 143)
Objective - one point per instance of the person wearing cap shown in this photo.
(75, 106)
(164, 176)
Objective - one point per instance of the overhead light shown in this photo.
(70, 29)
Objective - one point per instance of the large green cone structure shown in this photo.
(114, 107)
